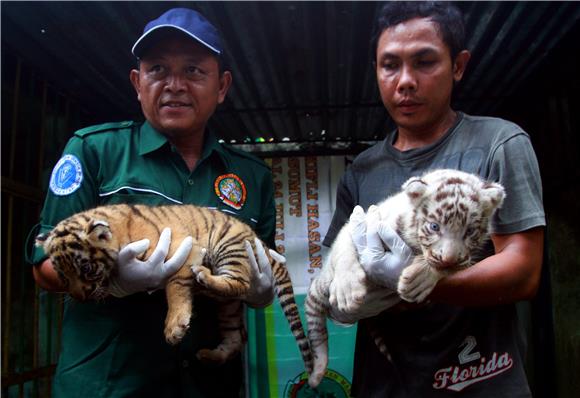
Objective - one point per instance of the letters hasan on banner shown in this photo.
(303, 193)
(305, 196)
(314, 241)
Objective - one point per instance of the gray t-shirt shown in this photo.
(440, 349)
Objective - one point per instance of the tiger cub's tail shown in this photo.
(316, 308)
(285, 294)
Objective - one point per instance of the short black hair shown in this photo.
(223, 64)
(445, 15)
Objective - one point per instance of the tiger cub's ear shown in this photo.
(41, 239)
(415, 188)
(493, 195)
(99, 230)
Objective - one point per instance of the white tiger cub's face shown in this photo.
(453, 216)
(82, 254)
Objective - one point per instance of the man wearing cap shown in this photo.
(116, 348)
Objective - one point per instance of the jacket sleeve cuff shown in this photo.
(33, 254)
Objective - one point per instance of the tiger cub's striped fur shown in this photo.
(444, 216)
(84, 249)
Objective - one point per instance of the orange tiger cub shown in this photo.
(84, 250)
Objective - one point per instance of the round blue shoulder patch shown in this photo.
(66, 176)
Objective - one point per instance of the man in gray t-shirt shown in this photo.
(467, 338)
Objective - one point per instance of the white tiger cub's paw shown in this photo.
(347, 292)
(417, 281)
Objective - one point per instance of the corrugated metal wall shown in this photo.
(302, 73)
(302, 70)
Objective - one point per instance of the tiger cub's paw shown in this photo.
(348, 293)
(176, 326)
(417, 281)
(211, 357)
(202, 274)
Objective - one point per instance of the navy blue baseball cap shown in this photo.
(187, 21)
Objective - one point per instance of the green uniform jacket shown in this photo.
(116, 348)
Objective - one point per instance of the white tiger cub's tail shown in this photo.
(285, 294)
(316, 307)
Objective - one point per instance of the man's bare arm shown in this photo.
(46, 277)
(510, 275)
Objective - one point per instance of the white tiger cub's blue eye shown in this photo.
(434, 227)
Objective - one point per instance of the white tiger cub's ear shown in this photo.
(99, 230)
(493, 195)
(415, 188)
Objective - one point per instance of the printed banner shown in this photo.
(305, 194)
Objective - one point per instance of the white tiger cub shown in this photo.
(445, 218)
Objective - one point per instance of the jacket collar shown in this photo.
(150, 140)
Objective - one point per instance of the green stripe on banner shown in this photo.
(252, 355)
(257, 354)
(271, 349)
(275, 367)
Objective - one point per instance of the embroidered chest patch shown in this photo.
(66, 176)
(231, 190)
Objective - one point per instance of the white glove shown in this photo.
(138, 276)
(382, 267)
(363, 294)
(261, 293)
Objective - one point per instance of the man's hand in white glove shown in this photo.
(370, 237)
(355, 297)
(138, 276)
(261, 293)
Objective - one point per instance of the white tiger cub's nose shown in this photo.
(449, 253)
